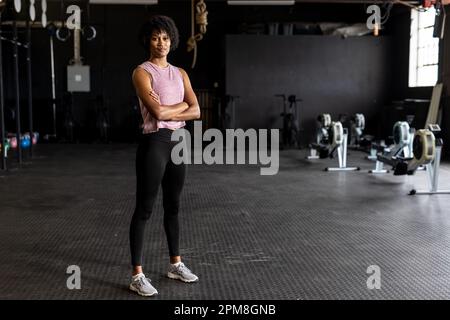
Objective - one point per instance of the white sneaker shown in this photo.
(181, 272)
(141, 285)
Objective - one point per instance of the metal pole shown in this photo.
(16, 82)
(52, 58)
(77, 46)
(436, 164)
(30, 92)
(344, 149)
(2, 119)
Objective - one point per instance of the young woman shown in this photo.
(166, 100)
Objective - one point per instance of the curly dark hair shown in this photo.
(159, 23)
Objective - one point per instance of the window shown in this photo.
(424, 49)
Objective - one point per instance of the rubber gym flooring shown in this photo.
(301, 234)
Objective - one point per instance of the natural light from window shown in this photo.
(424, 49)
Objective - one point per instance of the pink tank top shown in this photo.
(168, 84)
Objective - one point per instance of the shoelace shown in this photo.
(183, 268)
(142, 281)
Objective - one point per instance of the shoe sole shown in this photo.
(142, 294)
(177, 277)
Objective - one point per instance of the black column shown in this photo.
(2, 119)
(30, 91)
(17, 91)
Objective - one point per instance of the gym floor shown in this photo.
(301, 234)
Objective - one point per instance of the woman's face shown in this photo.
(159, 44)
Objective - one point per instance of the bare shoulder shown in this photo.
(139, 74)
(183, 72)
(185, 76)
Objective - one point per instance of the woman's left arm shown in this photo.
(193, 112)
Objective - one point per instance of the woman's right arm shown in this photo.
(142, 84)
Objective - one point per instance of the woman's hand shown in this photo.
(155, 96)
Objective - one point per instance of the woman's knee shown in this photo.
(171, 207)
(143, 212)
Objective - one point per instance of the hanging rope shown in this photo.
(199, 16)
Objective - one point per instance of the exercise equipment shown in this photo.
(32, 10)
(331, 138)
(62, 33)
(88, 31)
(78, 74)
(403, 137)
(25, 141)
(322, 138)
(44, 13)
(52, 31)
(358, 140)
(407, 145)
(4, 148)
(358, 124)
(35, 138)
(12, 139)
(423, 146)
(291, 121)
(17, 90)
(433, 109)
(428, 151)
(18, 5)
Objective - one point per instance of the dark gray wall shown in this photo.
(331, 74)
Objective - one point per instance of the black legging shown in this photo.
(154, 167)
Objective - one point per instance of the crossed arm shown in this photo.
(186, 110)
